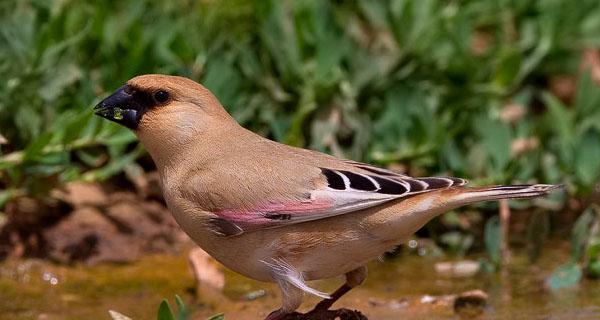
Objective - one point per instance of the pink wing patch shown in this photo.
(231, 222)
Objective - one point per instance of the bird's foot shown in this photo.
(280, 315)
(323, 314)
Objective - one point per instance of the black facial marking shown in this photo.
(126, 106)
(143, 98)
(389, 187)
(359, 182)
(333, 179)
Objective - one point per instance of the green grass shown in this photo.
(418, 83)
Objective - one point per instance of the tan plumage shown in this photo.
(274, 212)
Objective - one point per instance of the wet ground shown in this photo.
(401, 287)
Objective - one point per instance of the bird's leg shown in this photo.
(327, 303)
(292, 298)
(353, 279)
(280, 314)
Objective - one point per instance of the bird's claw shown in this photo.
(324, 314)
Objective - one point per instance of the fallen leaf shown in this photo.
(118, 316)
(565, 276)
(205, 269)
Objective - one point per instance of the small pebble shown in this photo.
(461, 269)
(471, 303)
(253, 295)
(428, 299)
(398, 304)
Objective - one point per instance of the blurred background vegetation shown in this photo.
(495, 91)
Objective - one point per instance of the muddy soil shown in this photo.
(401, 287)
(90, 223)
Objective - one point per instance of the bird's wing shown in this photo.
(356, 187)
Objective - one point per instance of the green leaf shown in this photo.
(493, 239)
(164, 311)
(587, 96)
(593, 269)
(565, 276)
(593, 250)
(508, 68)
(75, 126)
(587, 161)
(496, 137)
(54, 85)
(5, 195)
(580, 234)
(453, 156)
(182, 310)
(531, 61)
(487, 266)
(538, 229)
(122, 137)
(115, 165)
(458, 243)
(36, 147)
(219, 316)
(561, 121)
(223, 79)
(92, 157)
(306, 106)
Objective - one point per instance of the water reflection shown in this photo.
(405, 286)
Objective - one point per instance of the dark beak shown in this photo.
(122, 107)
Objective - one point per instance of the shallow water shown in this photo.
(31, 289)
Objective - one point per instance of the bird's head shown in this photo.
(165, 112)
(157, 101)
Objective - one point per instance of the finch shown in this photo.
(273, 212)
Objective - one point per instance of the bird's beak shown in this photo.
(121, 107)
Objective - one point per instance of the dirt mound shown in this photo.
(91, 223)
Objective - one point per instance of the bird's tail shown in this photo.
(407, 216)
(471, 195)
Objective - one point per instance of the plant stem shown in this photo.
(504, 227)
(17, 156)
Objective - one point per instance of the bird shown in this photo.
(273, 212)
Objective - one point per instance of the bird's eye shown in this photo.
(161, 96)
